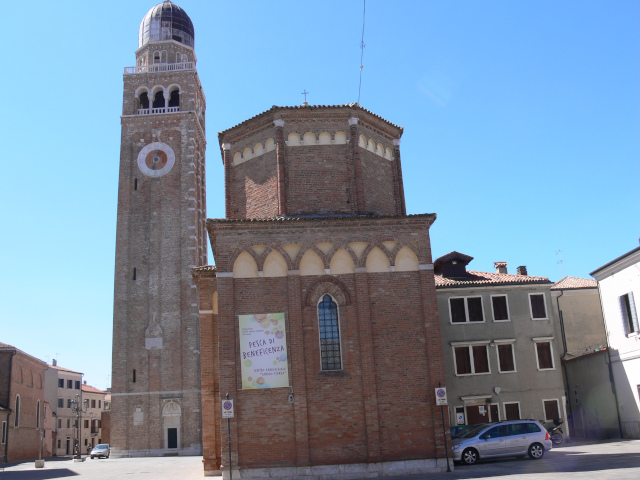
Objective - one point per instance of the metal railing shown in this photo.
(160, 67)
(148, 111)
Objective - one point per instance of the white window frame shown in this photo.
(504, 409)
(339, 332)
(466, 310)
(455, 345)
(510, 341)
(544, 300)
(548, 340)
(544, 410)
(493, 314)
(492, 419)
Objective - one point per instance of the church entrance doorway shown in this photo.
(172, 438)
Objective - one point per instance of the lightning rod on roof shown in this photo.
(364, 11)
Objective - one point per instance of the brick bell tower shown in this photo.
(160, 238)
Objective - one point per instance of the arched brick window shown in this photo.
(329, 329)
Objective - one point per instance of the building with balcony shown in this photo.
(91, 417)
(63, 387)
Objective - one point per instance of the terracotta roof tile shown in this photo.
(6, 345)
(568, 283)
(275, 108)
(56, 367)
(90, 389)
(487, 278)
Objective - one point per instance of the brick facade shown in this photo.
(311, 161)
(22, 376)
(328, 211)
(160, 237)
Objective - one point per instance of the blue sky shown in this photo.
(521, 120)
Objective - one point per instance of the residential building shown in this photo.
(22, 400)
(500, 342)
(584, 359)
(619, 286)
(63, 387)
(91, 417)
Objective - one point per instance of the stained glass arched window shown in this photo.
(329, 328)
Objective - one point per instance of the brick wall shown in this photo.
(27, 381)
(379, 407)
(338, 177)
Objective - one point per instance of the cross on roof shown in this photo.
(305, 93)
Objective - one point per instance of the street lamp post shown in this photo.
(76, 407)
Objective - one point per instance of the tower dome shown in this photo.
(166, 21)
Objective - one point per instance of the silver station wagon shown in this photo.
(513, 438)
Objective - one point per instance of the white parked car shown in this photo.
(101, 450)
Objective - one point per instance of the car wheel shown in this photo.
(536, 451)
(91, 457)
(108, 455)
(470, 456)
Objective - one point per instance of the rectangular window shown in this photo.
(59, 423)
(86, 424)
(4, 432)
(551, 409)
(93, 404)
(68, 403)
(61, 383)
(471, 359)
(68, 423)
(60, 402)
(59, 443)
(99, 403)
(500, 308)
(512, 411)
(538, 306)
(629, 315)
(69, 383)
(466, 309)
(506, 362)
(544, 355)
(77, 384)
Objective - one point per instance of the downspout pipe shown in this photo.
(564, 352)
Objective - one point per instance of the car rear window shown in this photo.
(532, 428)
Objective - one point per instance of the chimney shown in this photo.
(522, 270)
(85, 382)
(501, 267)
(54, 362)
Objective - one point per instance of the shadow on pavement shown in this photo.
(38, 474)
(553, 462)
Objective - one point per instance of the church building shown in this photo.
(316, 334)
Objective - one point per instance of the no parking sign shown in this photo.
(227, 409)
(441, 396)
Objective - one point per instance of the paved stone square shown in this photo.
(618, 460)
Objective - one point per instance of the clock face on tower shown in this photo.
(156, 159)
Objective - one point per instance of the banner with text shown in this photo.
(263, 351)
